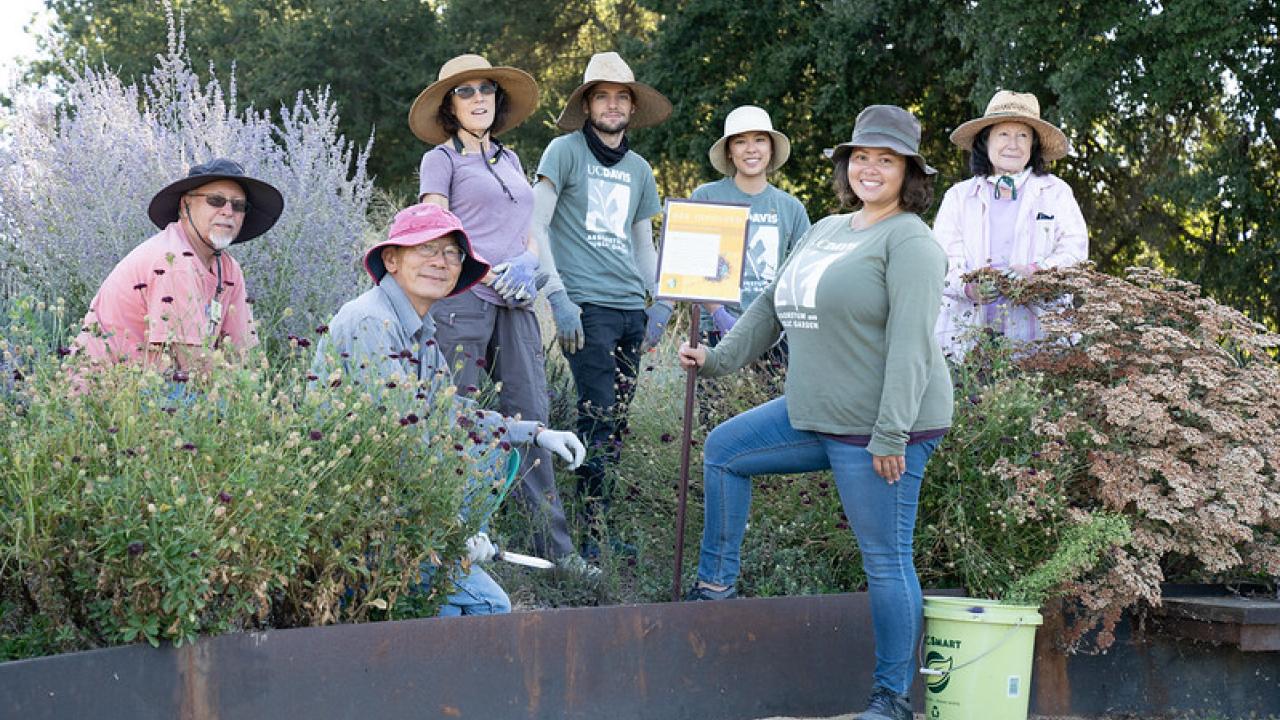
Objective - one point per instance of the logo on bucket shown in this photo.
(935, 660)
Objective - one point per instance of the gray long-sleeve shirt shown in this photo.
(378, 338)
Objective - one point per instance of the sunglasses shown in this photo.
(467, 91)
(217, 201)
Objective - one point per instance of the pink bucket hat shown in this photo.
(422, 223)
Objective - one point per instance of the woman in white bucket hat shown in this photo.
(748, 151)
(1011, 216)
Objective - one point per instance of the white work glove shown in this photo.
(565, 444)
(480, 549)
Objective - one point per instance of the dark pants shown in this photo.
(604, 371)
(506, 343)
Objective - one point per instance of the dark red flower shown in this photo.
(482, 362)
(64, 351)
(113, 430)
(180, 376)
(224, 497)
(136, 547)
(322, 329)
(666, 437)
(391, 383)
(304, 343)
(412, 418)
(315, 435)
(312, 376)
(189, 447)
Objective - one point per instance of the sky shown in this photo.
(15, 44)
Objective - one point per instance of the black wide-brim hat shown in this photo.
(265, 202)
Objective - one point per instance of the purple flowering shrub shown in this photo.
(76, 179)
(137, 508)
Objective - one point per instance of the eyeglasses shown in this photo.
(217, 201)
(467, 91)
(453, 254)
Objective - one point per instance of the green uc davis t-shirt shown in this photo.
(590, 231)
(777, 221)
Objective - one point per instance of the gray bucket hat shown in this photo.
(885, 126)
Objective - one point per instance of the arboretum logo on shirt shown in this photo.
(762, 258)
(608, 202)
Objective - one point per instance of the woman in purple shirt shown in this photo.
(492, 328)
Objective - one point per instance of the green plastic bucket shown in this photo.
(976, 656)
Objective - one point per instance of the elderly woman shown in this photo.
(492, 328)
(1012, 216)
(868, 394)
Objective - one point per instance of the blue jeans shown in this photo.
(475, 594)
(761, 441)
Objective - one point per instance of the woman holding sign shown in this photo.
(867, 396)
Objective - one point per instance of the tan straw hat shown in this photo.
(1009, 106)
(744, 119)
(517, 85)
(651, 107)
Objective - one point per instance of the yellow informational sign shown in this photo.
(703, 246)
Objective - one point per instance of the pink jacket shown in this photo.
(1058, 238)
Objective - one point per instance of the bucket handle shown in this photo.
(930, 672)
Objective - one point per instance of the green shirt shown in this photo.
(590, 233)
(777, 221)
(859, 309)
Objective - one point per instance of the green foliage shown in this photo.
(1171, 107)
(136, 508)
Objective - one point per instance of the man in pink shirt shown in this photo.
(178, 295)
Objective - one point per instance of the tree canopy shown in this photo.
(1171, 106)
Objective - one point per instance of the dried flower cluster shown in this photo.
(1167, 414)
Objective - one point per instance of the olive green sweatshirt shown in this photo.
(859, 309)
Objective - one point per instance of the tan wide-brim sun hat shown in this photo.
(519, 87)
(651, 106)
(1009, 106)
(744, 119)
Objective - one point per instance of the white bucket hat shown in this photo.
(651, 106)
(748, 118)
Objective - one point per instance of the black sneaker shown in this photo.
(885, 704)
(702, 592)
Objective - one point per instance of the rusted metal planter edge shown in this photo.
(751, 658)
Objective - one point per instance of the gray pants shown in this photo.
(476, 336)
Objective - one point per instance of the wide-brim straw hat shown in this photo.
(651, 106)
(744, 119)
(519, 87)
(1009, 106)
(885, 126)
(265, 202)
(422, 223)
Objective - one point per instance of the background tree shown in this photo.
(1171, 106)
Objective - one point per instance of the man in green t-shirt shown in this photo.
(748, 151)
(593, 203)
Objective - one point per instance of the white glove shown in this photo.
(480, 549)
(565, 444)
